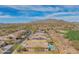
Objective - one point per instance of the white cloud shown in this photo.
(6, 16)
(44, 9)
(69, 18)
(40, 8)
(20, 7)
(35, 7)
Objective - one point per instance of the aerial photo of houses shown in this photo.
(39, 29)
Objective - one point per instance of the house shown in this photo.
(37, 42)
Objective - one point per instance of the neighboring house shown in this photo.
(37, 42)
(1, 43)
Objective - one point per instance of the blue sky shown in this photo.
(28, 13)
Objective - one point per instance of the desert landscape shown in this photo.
(45, 37)
(39, 29)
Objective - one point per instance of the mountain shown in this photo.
(49, 21)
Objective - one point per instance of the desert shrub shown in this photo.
(75, 44)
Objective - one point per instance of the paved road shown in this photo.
(9, 51)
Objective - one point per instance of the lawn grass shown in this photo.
(72, 35)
